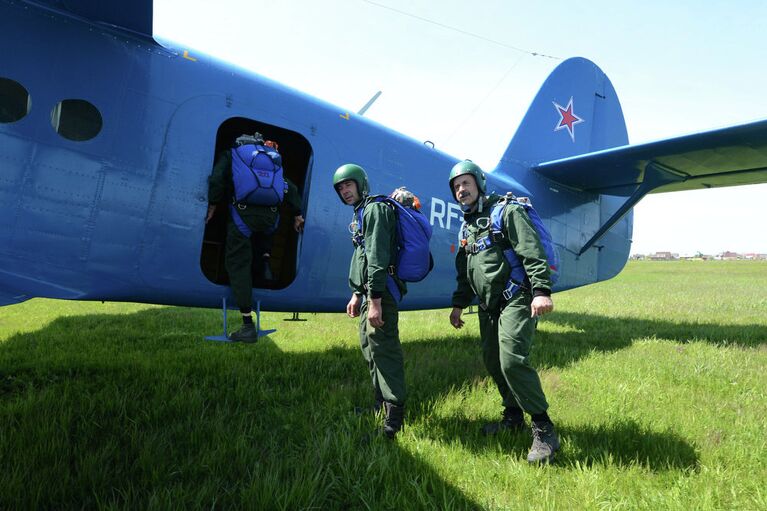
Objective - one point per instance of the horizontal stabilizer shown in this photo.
(135, 15)
(731, 156)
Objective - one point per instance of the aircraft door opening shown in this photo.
(280, 269)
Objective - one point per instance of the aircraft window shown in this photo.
(14, 101)
(76, 119)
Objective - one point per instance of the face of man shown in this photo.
(465, 190)
(348, 191)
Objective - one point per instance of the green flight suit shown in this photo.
(261, 220)
(505, 326)
(368, 273)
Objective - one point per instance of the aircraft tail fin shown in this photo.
(576, 111)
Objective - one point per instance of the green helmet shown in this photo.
(467, 167)
(353, 172)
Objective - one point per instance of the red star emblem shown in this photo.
(567, 119)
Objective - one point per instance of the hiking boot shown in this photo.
(247, 333)
(395, 417)
(545, 443)
(512, 421)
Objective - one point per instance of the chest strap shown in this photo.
(514, 283)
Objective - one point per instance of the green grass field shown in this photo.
(656, 381)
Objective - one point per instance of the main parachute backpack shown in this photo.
(518, 278)
(518, 275)
(257, 175)
(414, 260)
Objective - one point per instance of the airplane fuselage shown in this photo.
(121, 216)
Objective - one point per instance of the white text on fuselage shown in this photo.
(446, 214)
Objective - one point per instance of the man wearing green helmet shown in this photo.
(373, 292)
(507, 323)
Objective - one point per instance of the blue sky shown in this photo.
(456, 79)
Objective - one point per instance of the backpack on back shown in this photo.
(518, 275)
(413, 260)
(257, 175)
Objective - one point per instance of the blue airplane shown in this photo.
(107, 137)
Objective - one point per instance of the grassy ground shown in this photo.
(656, 381)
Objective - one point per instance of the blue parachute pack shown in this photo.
(414, 260)
(257, 175)
(518, 278)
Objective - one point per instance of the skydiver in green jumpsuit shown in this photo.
(506, 325)
(372, 299)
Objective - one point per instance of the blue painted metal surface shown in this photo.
(722, 157)
(120, 217)
(225, 336)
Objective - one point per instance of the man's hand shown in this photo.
(211, 212)
(455, 317)
(298, 223)
(541, 305)
(353, 307)
(375, 313)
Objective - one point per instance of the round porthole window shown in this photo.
(14, 101)
(76, 119)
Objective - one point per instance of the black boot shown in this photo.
(545, 443)
(512, 421)
(395, 417)
(247, 333)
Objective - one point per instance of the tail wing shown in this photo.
(576, 111)
(725, 157)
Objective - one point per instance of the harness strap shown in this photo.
(511, 288)
(496, 237)
(358, 239)
(393, 288)
(238, 221)
(485, 242)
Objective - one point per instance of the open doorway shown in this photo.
(296, 162)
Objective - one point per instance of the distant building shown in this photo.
(728, 256)
(699, 256)
(663, 256)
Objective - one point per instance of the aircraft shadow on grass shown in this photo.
(309, 396)
(147, 379)
(622, 444)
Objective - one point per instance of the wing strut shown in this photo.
(655, 175)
